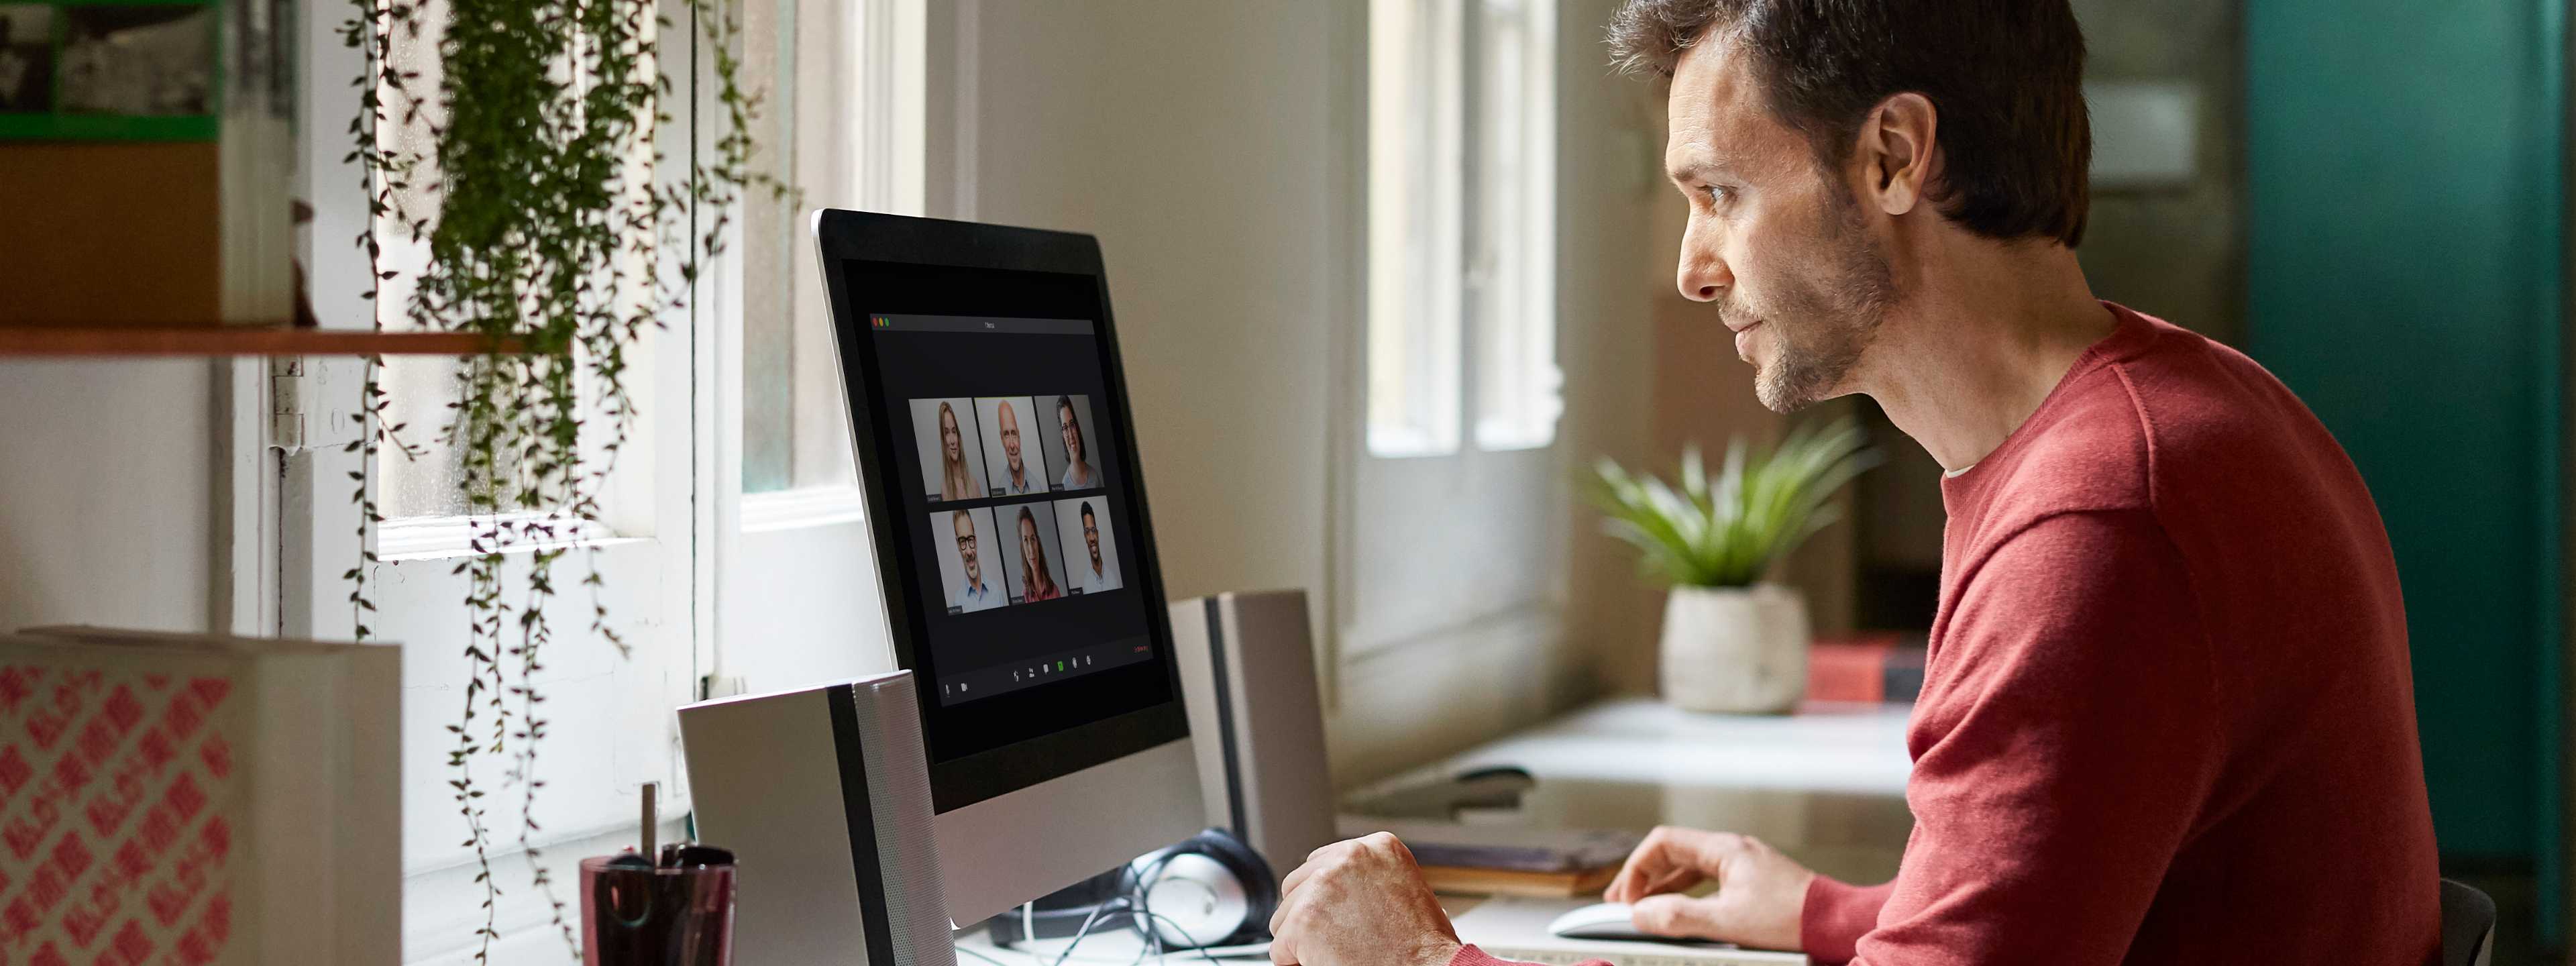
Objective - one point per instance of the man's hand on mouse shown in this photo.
(1760, 892)
(1360, 901)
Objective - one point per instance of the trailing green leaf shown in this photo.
(554, 229)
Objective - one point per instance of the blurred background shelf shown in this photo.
(69, 341)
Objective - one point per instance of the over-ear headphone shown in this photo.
(1212, 890)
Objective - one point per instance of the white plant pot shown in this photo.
(1737, 650)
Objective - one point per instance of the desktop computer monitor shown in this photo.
(1013, 547)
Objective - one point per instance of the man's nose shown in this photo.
(1704, 273)
(1703, 277)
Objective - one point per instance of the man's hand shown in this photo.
(1759, 891)
(1361, 901)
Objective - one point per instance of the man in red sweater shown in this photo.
(2166, 716)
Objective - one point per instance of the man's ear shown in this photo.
(1898, 151)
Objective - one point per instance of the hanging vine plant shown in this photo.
(548, 232)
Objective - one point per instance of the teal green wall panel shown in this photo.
(2548, 363)
(2404, 244)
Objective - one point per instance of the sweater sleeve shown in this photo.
(1835, 915)
(2063, 745)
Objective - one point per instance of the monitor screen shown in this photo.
(1017, 565)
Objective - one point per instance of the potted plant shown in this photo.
(1732, 641)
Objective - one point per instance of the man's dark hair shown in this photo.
(1086, 510)
(2007, 77)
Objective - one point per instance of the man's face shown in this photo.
(1010, 425)
(966, 549)
(1776, 241)
(1091, 538)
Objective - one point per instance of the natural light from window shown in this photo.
(1461, 180)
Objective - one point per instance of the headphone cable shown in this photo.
(1185, 934)
(1085, 931)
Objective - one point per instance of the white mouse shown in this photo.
(1605, 920)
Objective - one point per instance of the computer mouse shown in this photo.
(1604, 920)
(1512, 773)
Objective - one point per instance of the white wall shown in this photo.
(1195, 139)
(1212, 147)
(105, 493)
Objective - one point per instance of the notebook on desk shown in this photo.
(1511, 859)
(1513, 927)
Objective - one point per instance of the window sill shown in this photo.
(1534, 621)
(448, 538)
(804, 507)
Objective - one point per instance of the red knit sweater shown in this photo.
(2167, 715)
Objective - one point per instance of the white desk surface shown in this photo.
(1824, 747)
(1825, 785)
(1509, 928)
(1117, 947)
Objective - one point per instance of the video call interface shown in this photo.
(1041, 549)
(1010, 464)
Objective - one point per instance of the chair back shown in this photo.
(2468, 925)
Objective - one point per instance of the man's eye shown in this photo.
(1719, 194)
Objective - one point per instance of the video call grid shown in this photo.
(1067, 546)
(984, 421)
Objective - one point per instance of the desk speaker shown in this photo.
(823, 794)
(1247, 665)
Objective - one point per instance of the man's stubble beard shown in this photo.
(1835, 321)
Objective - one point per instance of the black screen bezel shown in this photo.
(843, 236)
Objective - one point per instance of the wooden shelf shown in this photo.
(68, 341)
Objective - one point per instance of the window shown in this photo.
(840, 122)
(1461, 176)
(842, 119)
(1414, 228)
(1510, 180)
(609, 728)
(1453, 493)
(422, 500)
(738, 394)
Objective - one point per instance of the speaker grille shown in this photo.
(890, 743)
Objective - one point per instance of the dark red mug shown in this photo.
(635, 915)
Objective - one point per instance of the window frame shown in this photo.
(809, 542)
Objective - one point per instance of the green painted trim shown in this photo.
(58, 126)
(2550, 556)
(106, 127)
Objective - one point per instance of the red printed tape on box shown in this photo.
(117, 813)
